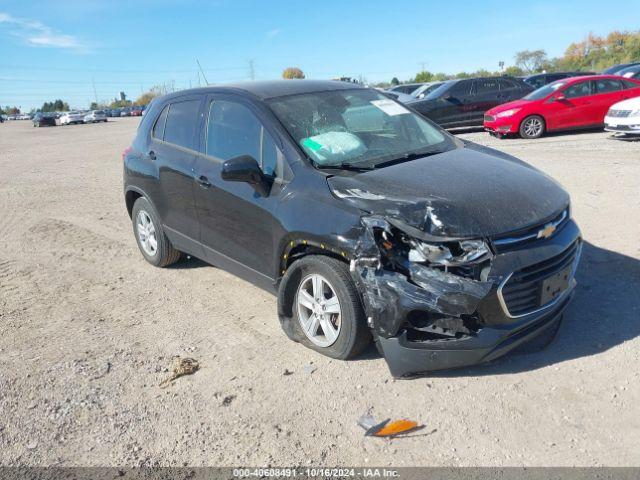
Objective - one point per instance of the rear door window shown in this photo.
(486, 86)
(581, 89)
(537, 82)
(607, 85)
(461, 89)
(506, 84)
(181, 124)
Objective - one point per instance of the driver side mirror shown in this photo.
(245, 168)
(560, 97)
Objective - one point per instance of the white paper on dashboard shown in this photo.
(389, 107)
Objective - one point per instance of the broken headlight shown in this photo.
(448, 254)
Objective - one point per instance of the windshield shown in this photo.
(356, 127)
(424, 90)
(438, 91)
(545, 91)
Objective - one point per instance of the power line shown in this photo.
(203, 76)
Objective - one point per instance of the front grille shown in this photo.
(621, 128)
(516, 239)
(619, 113)
(522, 291)
(489, 118)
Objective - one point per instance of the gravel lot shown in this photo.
(88, 330)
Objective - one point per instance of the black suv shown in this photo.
(541, 79)
(462, 103)
(366, 220)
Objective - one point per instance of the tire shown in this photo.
(532, 126)
(353, 334)
(164, 254)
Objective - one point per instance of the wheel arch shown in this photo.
(292, 252)
(131, 195)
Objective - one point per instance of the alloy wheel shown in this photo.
(533, 127)
(146, 233)
(319, 310)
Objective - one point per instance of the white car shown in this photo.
(95, 116)
(624, 117)
(72, 117)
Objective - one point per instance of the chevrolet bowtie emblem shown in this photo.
(547, 231)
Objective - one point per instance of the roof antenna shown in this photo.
(202, 71)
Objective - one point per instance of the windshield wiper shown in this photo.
(407, 157)
(346, 166)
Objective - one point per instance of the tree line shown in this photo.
(594, 54)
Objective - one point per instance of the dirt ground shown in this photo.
(88, 330)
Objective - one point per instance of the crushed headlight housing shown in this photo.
(451, 254)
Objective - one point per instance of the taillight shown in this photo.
(126, 152)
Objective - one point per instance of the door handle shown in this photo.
(152, 155)
(203, 181)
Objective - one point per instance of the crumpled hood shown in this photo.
(466, 192)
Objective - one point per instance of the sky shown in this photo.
(80, 50)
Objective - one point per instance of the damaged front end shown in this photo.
(433, 289)
(422, 298)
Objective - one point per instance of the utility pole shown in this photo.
(423, 66)
(252, 71)
(95, 94)
(202, 71)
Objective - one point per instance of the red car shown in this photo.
(570, 103)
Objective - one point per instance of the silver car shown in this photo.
(72, 117)
(95, 116)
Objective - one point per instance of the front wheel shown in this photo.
(152, 241)
(327, 310)
(532, 127)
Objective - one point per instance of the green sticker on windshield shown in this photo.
(315, 146)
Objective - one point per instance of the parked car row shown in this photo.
(74, 117)
(512, 106)
(463, 102)
(135, 111)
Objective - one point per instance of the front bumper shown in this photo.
(629, 125)
(501, 126)
(499, 331)
(406, 358)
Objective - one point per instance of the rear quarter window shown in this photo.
(158, 127)
(181, 123)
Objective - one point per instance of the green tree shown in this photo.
(120, 104)
(395, 81)
(423, 76)
(292, 73)
(513, 71)
(531, 61)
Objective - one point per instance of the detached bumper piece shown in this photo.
(407, 358)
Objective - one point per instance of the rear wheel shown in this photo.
(152, 241)
(532, 127)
